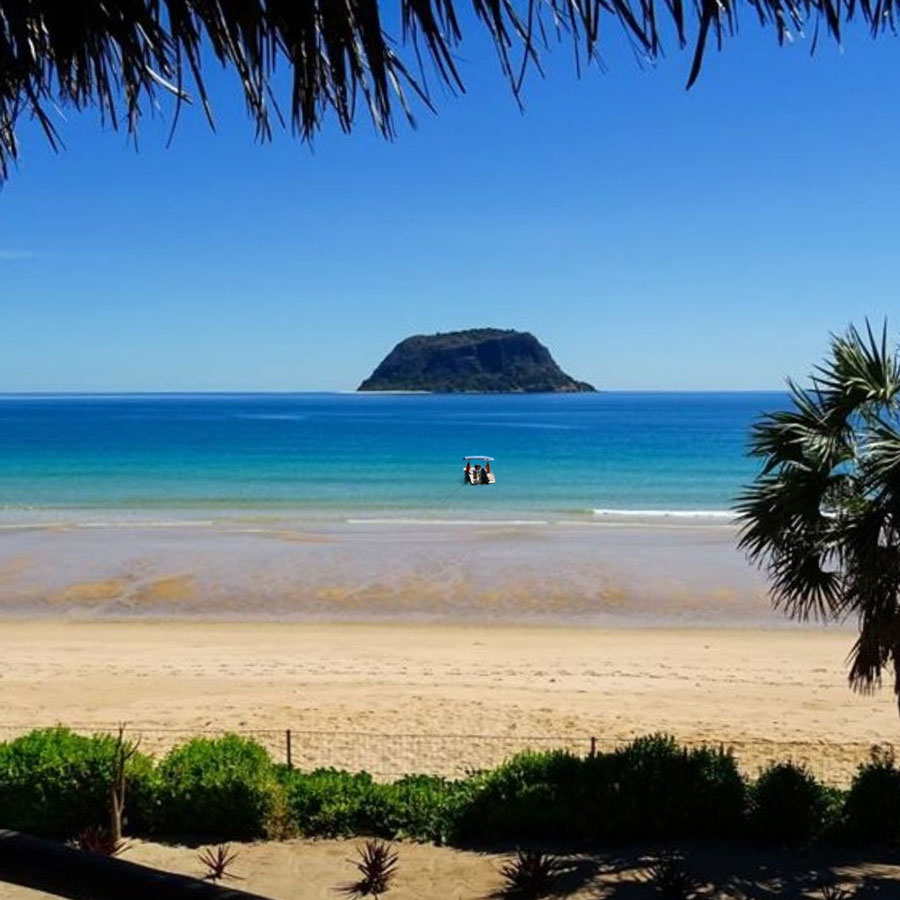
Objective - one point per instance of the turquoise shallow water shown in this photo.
(340, 455)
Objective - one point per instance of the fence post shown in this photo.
(593, 752)
(287, 747)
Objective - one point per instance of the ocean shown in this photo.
(337, 456)
(608, 508)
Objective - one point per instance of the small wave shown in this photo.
(32, 526)
(507, 423)
(465, 522)
(138, 523)
(724, 515)
(273, 417)
(124, 523)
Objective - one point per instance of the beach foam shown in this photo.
(720, 515)
(467, 523)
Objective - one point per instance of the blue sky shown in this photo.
(653, 238)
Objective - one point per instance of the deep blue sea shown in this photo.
(357, 454)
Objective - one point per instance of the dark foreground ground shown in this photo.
(315, 870)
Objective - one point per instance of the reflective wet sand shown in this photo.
(384, 570)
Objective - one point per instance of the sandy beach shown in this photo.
(436, 647)
(360, 696)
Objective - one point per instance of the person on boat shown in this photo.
(484, 474)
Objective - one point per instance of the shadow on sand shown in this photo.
(729, 870)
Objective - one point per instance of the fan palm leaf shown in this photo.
(117, 55)
(823, 516)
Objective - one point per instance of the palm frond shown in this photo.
(786, 528)
(117, 56)
(822, 517)
(876, 649)
(882, 462)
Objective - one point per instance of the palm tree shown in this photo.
(823, 515)
(117, 55)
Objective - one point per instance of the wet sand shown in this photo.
(389, 570)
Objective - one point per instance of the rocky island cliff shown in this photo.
(481, 360)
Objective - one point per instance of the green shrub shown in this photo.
(651, 788)
(788, 805)
(55, 783)
(532, 795)
(872, 807)
(332, 803)
(654, 788)
(424, 807)
(217, 787)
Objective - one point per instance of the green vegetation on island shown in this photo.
(480, 360)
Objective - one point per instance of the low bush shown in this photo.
(532, 795)
(651, 788)
(424, 808)
(100, 841)
(377, 868)
(217, 862)
(788, 805)
(654, 788)
(872, 807)
(529, 875)
(672, 879)
(55, 783)
(216, 787)
(332, 803)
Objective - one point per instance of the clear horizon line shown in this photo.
(339, 391)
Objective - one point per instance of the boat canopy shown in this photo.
(478, 474)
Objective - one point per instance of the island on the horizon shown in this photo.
(480, 360)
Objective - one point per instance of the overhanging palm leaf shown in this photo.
(117, 54)
(823, 516)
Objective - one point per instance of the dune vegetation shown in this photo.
(55, 783)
